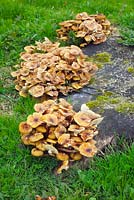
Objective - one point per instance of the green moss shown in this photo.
(126, 107)
(130, 70)
(120, 104)
(102, 100)
(100, 58)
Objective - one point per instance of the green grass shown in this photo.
(22, 176)
(22, 22)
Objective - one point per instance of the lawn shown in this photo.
(109, 177)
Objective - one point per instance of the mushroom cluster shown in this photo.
(55, 129)
(89, 28)
(48, 70)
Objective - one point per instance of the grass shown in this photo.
(22, 22)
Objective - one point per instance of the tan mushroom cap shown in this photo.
(25, 139)
(76, 156)
(41, 145)
(49, 104)
(62, 156)
(51, 134)
(93, 115)
(87, 135)
(34, 120)
(50, 119)
(29, 49)
(37, 90)
(41, 129)
(87, 149)
(15, 73)
(59, 130)
(39, 107)
(63, 104)
(23, 93)
(36, 137)
(64, 140)
(82, 119)
(51, 141)
(24, 72)
(75, 128)
(36, 152)
(76, 139)
(82, 16)
(97, 121)
(51, 149)
(76, 85)
(25, 128)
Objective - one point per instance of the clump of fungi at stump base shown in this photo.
(48, 70)
(55, 129)
(88, 28)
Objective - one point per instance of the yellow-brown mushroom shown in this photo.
(62, 156)
(36, 152)
(25, 128)
(35, 120)
(50, 119)
(87, 149)
(37, 90)
(36, 137)
(83, 119)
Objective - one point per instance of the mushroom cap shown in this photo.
(64, 140)
(62, 156)
(59, 130)
(82, 118)
(26, 141)
(34, 120)
(25, 128)
(41, 129)
(41, 145)
(49, 105)
(63, 104)
(39, 107)
(29, 49)
(76, 139)
(87, 149)
(15, 73)
(93, 115)
(51, 149)
(87, 135)
(50, 119)
(76, 156)
(23, 93)
(36, 152)
(76, 85)
(82, 16)
(24, 71)
(51, 134)
(75, 128)
(97, 121)
(36, 137)
(51, 141)
(88, 38)
(37, 90)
